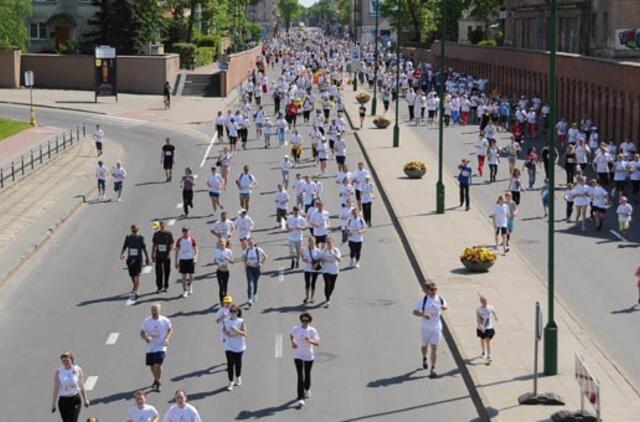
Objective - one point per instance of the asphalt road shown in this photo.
(594, 271)
(72, 296)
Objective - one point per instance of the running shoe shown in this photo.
(230, 386)
(185, 294)
(239, 381)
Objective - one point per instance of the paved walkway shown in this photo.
(512, 287)
(22, 142)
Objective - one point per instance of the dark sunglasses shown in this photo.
(304, 320)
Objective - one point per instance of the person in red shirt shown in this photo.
(292, 113)
(517, 131)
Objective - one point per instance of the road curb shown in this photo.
(449, 336)
(79, 110)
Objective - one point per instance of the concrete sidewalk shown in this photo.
(512, 286)
(20, 143)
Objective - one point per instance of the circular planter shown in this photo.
(477, 267)
(415, 174)
(381, 124)
(363, 99)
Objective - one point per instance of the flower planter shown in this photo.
(381, 123)
(363, 98)
(415, 174)
(477, 267)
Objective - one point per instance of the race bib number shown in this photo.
(162, 248)
(133, 252)
(167, 153)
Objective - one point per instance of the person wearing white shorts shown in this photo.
(429, 309)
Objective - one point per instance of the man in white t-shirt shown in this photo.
(119, 174)
(429, 309)
(295, 225)
(156, 331)
(142, 412)
(319, 221)
(101, 175)
(500, 222)
(182, 411)
(215, 182)
(98, 138)
(246, 182)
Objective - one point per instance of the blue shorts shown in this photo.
(155, 358)
(214, 194)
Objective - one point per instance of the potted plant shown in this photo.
(381, 122)
(363, 98)
(415, 169)
(478, 259)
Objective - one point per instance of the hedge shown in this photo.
(205, 56)
(187, 52)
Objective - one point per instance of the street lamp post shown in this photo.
(440, 184)
(396, 128)
(355, 42)
(551, 329)
(376, 4)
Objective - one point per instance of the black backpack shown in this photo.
(424, 301)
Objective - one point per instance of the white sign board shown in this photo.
(628, 39)
(105, 52)
(589, 385)
(356, 64)
(28, 78)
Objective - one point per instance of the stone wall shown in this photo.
(9, 68)
(605, 90)
(240, 65)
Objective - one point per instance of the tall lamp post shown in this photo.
(396, 128)
(440, 184)
(355, 41)
(376, 4)
(551, 329)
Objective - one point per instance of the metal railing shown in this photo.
(41, 154)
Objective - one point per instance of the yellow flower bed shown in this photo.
(363, 97)
(415, 166)
(477, 255)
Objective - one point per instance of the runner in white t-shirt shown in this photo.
(485, 316)
(98, 138)
(295, 226)
(119, 174)
(500, 222)
(142, 412)
(156, 331)
(429, 309)
(304, 338)
(102, 173)
(182, 411)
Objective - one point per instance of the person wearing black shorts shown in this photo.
(168, 158)
(161, 255)
(186, 257)
(485, 317)
(132, 250)
(156, 331)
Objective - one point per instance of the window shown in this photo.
(38, 31)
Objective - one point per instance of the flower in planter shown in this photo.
(363, 98)
(478, 255)
(417, 166)
(381, 121)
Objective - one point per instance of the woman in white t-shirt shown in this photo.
(620, 173)
(311, 266)
(493, 159)
(331, 257)
(485, 315)
(303, 340)
(500, 222)
(234, 332)
(599, 201)
(581, 198)
(634, 176)
(68, 389)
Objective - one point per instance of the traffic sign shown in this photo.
(28, 78)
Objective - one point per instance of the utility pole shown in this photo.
(376, 4)
(440, 184)
(396, 127)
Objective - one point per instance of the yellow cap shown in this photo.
(156, 225)
(227, 299)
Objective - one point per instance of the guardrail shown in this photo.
(38, 156)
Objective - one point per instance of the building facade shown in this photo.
(365, 21)
(264, 12)
(55, 22)
(603, 28)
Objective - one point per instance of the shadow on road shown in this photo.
(201, 372)
(264, 413)
(398, 379)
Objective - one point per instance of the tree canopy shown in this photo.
(289, 10)
(13, 15)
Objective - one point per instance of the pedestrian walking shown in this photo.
(362, 112)
(366, 196)
(599, 203)
(253, 258)
(570, 162)
(132, 249)
(68, 389)
(243, 225)
(544, 196)
(98, 138)
(582, 198)
(168, 158)
(356, 226)
(295, 226)
(181, 411)
(515, 185)
(485, 317)
(223, 258)
(162, 244)
(331, 257)
(215, 182)
(141, 411)
(511, 218)
(186, 258)
(569, 199)
(531, 165)
(304, 338)
(493, 159)
(429, 309)
(223, 228)
(312, 266)
(500, 218)
(234, 331)
(319, 222)
(101, 176)
(282, 206)
(481, 145)
(246, 182)
(464, 182)
(187, 183)
(624, 211)
(156, 331)
(118, 173)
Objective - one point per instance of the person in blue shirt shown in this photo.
(464, 179)
(505, 110)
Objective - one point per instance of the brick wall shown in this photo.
(605, 90)
(240, 65)
(9, 68)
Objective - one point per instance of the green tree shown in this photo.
(289, 10)
(13, 15)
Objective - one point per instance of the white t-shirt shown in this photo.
(102, 173)
(602, 162)
(243, 224)
(599, 197)
(432, 306)
(367, 192)
(340, 147)
(330, 260)
(148, 413)
(581, 195)
(187, 248)
(308, 192)
(620, 171)
(98, 135)
(118, 174)
(234, 343)
(215, 182)
(296, 226)
(187, 414)
(359, 176)
(500, 214)
(484, 312)
(157, 329)
(624, 212)
(253, 256)
(223, 228)
(304, 351)
(69, 380)
(282, 200)
(309, 255)
(320, 223)
(222, 257)
(245, 180)
(354, 226)
(481, 146)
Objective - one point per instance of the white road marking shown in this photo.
(113, 337)
(171, 222)
(179, 205)
(206, 154)
(616, 234)
(281, 274)
(90, 383)
(278, 345)
(146, 269)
